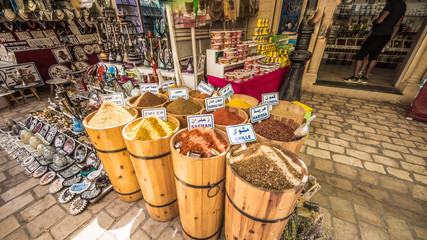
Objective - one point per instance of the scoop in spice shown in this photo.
(109, 115)
(147, 100)
(182, 106)
(201, 141)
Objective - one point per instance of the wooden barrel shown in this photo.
(200, 190)
(249, 99)
(111, 149)
(297, 112)
(293, 146)
(139, 109)
(153, 165)
(182, 118)
(255, 213)
(201, 100)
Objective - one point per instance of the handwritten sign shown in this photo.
(149, 87)
(205, 88)
(213, 103)
(242, 133)
(155, 112)
(167, 84)
(116, 98)
(227, 91)
(270, 98)
(259, 113)
(195, 121)
(175, 93)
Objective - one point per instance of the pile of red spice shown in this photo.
(274, 130)
(223, 116)
(202, 140)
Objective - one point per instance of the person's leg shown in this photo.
(364, 65)
(361, 54)
(373, 55)
(371, 66)
(357, 67)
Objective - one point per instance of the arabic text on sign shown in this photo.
(214, 103)
(175, 93)
(270, 98)
(149, 87)
(205, 120)
(259, 113)
(227, 91)
(205, 88)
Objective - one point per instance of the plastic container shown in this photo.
(218, 46)
(217, 34)
(229, 76)
(234, 60)
(230, 54)
(217, 41)
(223, 60)
(227, 45)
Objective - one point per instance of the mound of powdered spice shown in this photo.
(274, 130)
(108, 115)
(182, 106)
(147, 100)
(198, 94)
(151, 128)
(266, 166)
(202, 141)
(238, 103)
(223, 116)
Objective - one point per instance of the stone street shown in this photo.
(369, 160)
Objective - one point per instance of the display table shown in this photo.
(255, 87)
(31, 87)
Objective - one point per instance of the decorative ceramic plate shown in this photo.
(57, 169)
(80, 153)
(18, 152)
(96, 48)
(79, 187)
(65, 196)
(56, 185)
(82, 65)
(39, 171)
(33, 124)
(51, 135)
(32, 167)
(44, 130)
(90, 194)
(47, 178)
(93, 175)
(92, 159)
(71, 181)
(27, 161)
(69, 172)
(69, 146)
(77, 206)
(23, 156)
(57, 71)
(59, 140)
(88, 49)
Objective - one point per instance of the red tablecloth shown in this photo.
(418, 108)
(255, 87)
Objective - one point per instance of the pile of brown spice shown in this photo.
(147, 100)
(202, 142)
(182, 106)
(198, 94)
(274, 130)
(223, 116)
(266, 166)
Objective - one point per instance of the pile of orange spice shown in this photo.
(201, 140)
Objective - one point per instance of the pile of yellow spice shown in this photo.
(109, 115)
(151, 128)
(238, 103)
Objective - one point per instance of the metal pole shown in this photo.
(177, 65)
(194, 47)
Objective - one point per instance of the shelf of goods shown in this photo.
(129, 10)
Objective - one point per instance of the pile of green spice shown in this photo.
(148, 100)
(274, 130)
(266, 166)
(201, 142)
(183, 107)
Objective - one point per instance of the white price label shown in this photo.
(155, 112)
(213, 103)
(270, 98)
(175, 93)
(259, 113)
(149, 87)
(195, 121)
(116, 98)
(227, 91)
(205, 88)
(242, 133)
(167, 84)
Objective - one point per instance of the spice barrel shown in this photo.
(139, 109)
(111, 149)
(183, 118)
(296, 112)
(293, 146)
(249, 99)
(153, 167)
(255, 213)
(237, 111)
(200, 190)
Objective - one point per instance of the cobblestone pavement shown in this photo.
(369, 160)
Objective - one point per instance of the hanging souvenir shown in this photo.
(77, 206)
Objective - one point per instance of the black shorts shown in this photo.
(372, 46)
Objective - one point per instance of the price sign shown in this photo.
(116, 98)
(195, 121)
(155, 112)
(270, 98)
(242, 133)
(227, 91)
(167, 84)
(213, 103)
(149, 87)
(205, 88)
(259, 113)
(175, 93)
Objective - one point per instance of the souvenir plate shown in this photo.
(90, 194)
(51, 135)
(69, 146)
(69, 172)
(59, 140)
(77, 206)
(18, 152)
(27, 161)
(11, 148)
(38, 127)
(92, 159)
(80, 153)
(39, 171)
(56, 185)
(57, 169)
(82, 65)
(96, 48)
(88, 49)
(23, 156)
(57, 71)
(93, 175)
(79, 187)
(65, 196)
(28, 122)
(32, 167)
(44, 130)
(47, 178)
(71, 181)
